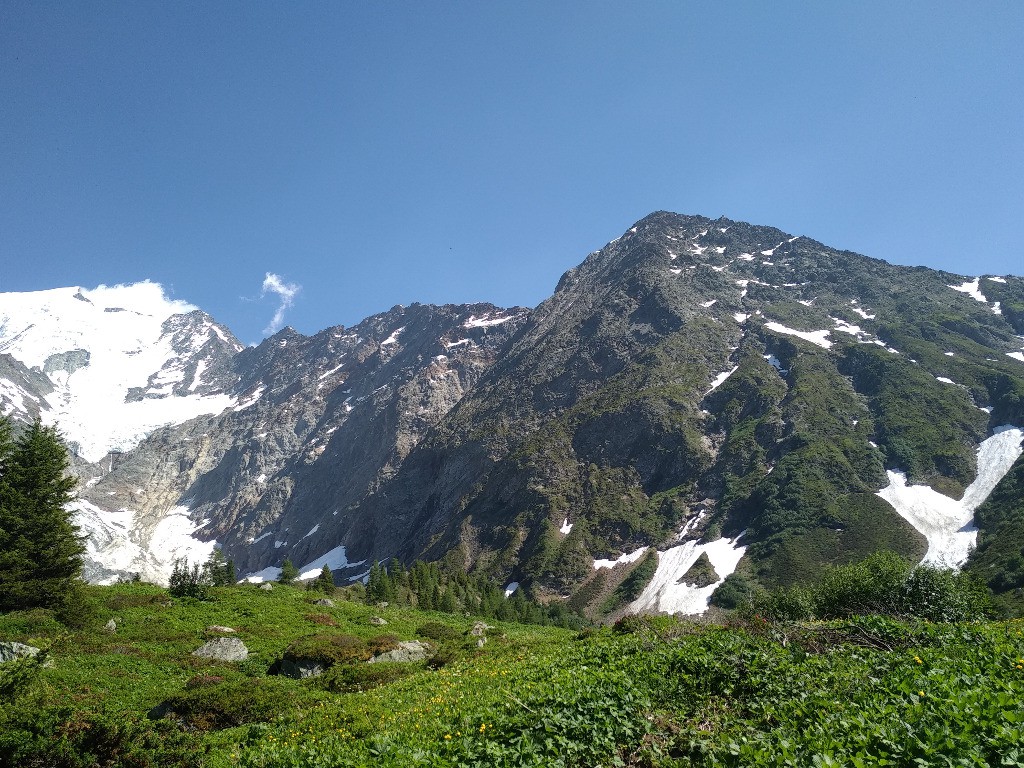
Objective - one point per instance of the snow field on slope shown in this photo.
(333, 559)
(665, 593)
(947, 524)
(120, 327)
(117, 542)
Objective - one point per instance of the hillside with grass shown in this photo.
(123, 687)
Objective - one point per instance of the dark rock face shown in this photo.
(692, 376)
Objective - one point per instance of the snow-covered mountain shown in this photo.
(113, 363)
(700, 403)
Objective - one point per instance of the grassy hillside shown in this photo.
(647, 693)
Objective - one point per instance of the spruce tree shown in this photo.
(40, 547)
(288, 572)
(325, 581)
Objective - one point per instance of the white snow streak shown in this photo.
(720, 379)
(566, 527)
(948, 525)
(815, 337)
(664, 593)
(629, 557)
(971, 288)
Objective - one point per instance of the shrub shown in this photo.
(63, 738)
(214, 705)
(362, 677)
(435, 630)
(735, 591)
(382, 644)
(327, 650)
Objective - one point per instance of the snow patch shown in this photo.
(486, 321)
(996, 279)
(720, 379)
(333, 559)
(971, 288)
(740, 317)
(393, 338)
(815, 337)
(664, 593)
(711, 303)
(629, 557)
(566, 527)
(947, 524)
(511, 587)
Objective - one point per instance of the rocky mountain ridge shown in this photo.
(697, 390)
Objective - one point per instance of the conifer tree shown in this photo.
(288, 572)
(325, 581)
(40, 547)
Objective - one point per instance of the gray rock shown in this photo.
(12, 651)
(411, 650)
(110, 626)
(266, 586)
(223, 649)
(479, 629)
(298, 670)
(324, 601)
(377, 621)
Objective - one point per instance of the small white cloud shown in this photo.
(274, 284)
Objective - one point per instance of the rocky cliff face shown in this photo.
(697, 393)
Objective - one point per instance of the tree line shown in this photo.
(434, 586)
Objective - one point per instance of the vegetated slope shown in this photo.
(657, 693)
(711, 378)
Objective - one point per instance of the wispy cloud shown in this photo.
(286, 291)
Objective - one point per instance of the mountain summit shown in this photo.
(701, 405)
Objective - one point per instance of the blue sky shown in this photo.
(372, 154)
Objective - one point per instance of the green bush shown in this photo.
(351, 678)
(213, 705)
(435, 630)
(66, 738)
(882, 584)
(328, 649)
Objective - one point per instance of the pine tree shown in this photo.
(288, 572)
(40, 547)
(325, 581)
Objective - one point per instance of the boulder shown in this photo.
(266, 586)
(223, 649)
(299, 670)
(377, 621)
(324, 601)
(110, 626)
(12, 651)
(410, 650)
(479, 629)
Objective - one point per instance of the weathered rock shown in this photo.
(223, 649)
(479, 629)
(110, 626)
(11, 651)
(324, 601)
(410, 650)
(299, 670)
(221, 629)
(266, 586)
(377, 621)
(481, 642)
